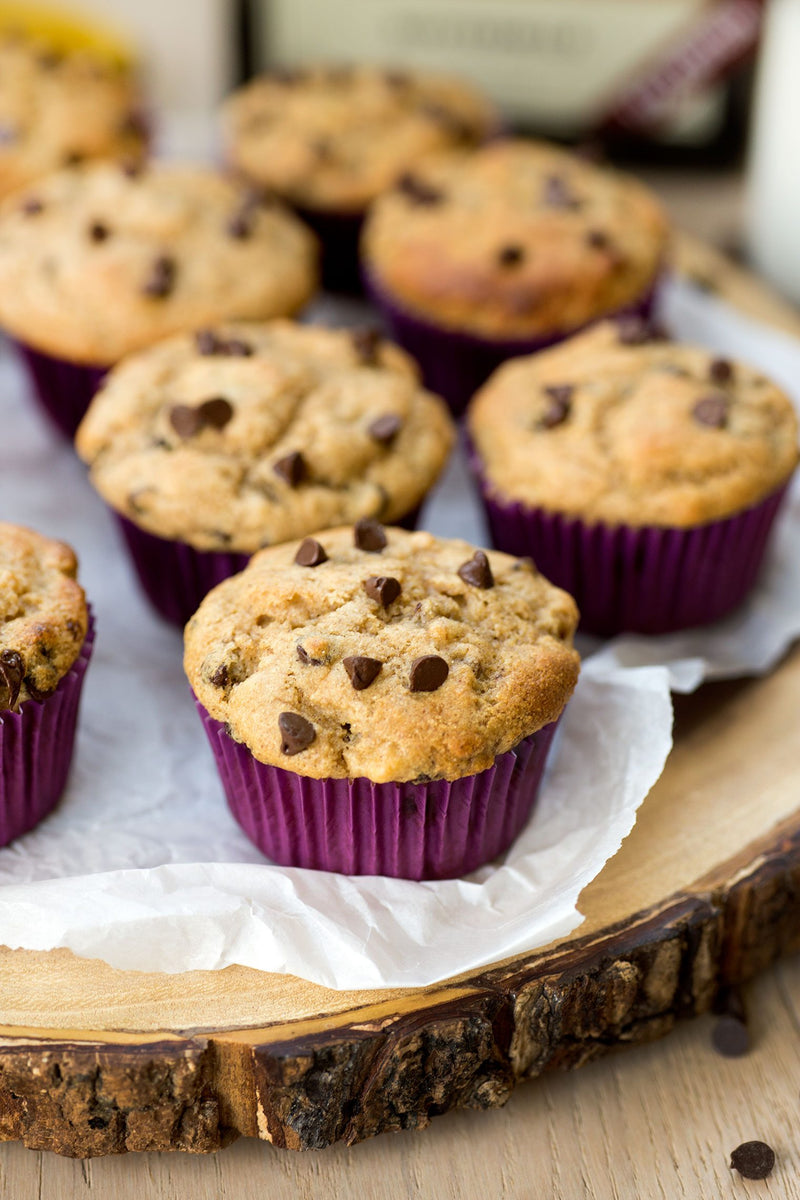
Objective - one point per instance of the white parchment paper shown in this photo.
(142, 865)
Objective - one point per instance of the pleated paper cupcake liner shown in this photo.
(646, 579)
(436, 830)
(175, 577)
(63, 389)
(36, 746)
(455, 364)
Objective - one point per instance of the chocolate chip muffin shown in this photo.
(60, 107)
(245, 435)
(674, 459)
(101, 260)
(476, 257)
(329, 139)
(45, 644)
(405, 686)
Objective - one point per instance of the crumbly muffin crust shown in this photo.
(249, 434)
(98, 261)
(516, 240)
(43, 615)
(328, 671)
(58, 108)
(333, 138)
(649, 433)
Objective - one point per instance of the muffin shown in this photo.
(45, 644)
(99, 261)
(211, 446)
(329, 139)
(59, 107)
(642, 475)
(477, 257)
(382, 702)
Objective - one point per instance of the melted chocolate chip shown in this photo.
(753, 1160)
(291, 468)
(366, 343)
(99, 231)
(385, 429)
(383, 588)
(477, 571)
(221, 677)
(306, 658)
(32, 206)
(296, 733)
(369, 534)
(428, 673)
(310, 553)
(185, 420)
(216, 412)
(362, 671)
(712, 410)
(558, 194)
(720, 371)
(417, 191)
(559, 396)
(12, 673)
(161, 279)
(510, 256)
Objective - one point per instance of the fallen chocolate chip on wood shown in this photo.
(477, 571)
(296, 733)
(560, 400)
(711, 411)
(161, 280)
(385, 429)
(720, 371)
(428, 673)
(216, 412)
(753, 1160)
(185, 420)
(369, 535)
(382, 588)
(291, 468)
(729, 1036)
(362, 671)
(310, 553)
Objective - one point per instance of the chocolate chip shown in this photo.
(221, 677)
(216, 412)
(633, 331)
(753, 1160)
(37, 693)
(291, 468)
(510, 256)
(185, 420)
(241, 224)
(397, 79)
(310, 553)
(712, 410)
(12, 673)
(560, 400)
(73, 158)
(447, 119)
(32, 206)
(98, 231)
(207, 342)
(161, 279)
(730, 1037)
(558, 194)
(362, 671)
(369, 534)
(477, 571)
(296, 733)
(428, 673)
(417, 191)
(383, 588)
(366, 343)
(132, 167)
(385, 429)
(598, 239)
(720, 371)
(306, 658)
(134, 124)
(237, 348)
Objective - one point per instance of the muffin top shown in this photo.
(612, 427)
(249, 434)
(332, 138)
(43, 615)
(58, 108)
(379, 653)
(515, 240)
(100, 260)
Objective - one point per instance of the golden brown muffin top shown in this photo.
(609, 427)
(392, 655)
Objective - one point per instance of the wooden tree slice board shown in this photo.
(704, 892)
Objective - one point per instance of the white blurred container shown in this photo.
(773, 201)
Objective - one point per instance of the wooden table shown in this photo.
(658, 1121)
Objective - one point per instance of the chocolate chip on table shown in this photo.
(383, 588)
(161, 279)
(386, 428)
(98, 231)
(369, 535)
(510, 256)
(477, 571)
(310, 553)
(221, 677)
(720, 371)
(558, 194)
(296, 733)
(32, 206)
(712, 410)
(559, 397)
(216, 412)
(186, 420)
(362, 671)
(366, 343)
(428, 673)
(753, 1160)
(729, 1036)
(12, 673)
(417, 191)
(291, 468)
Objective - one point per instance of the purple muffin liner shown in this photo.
(455, 364)
(175, 577)
(648, 579)
(436, 830)
(339, 234)
(63, 389)
(36, 747)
